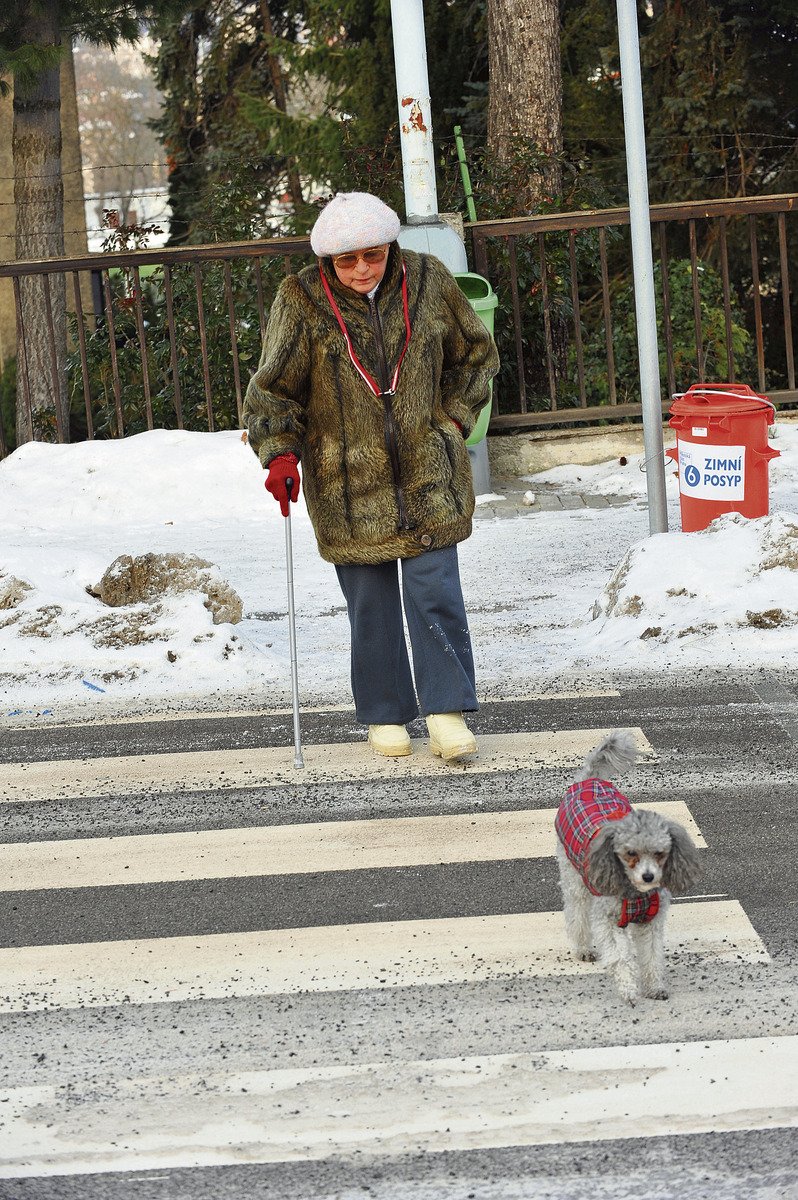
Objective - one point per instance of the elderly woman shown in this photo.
(374, 369)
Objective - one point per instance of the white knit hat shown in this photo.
(353, 221)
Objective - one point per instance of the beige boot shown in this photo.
(391, 740)
(449, 736)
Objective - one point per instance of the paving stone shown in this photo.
(548, 498)
(546, 502)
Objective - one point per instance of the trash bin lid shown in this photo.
(719, 399)
(475, 287)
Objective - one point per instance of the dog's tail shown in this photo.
(616, 753)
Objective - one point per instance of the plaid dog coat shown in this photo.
(587, 805)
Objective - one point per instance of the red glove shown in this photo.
(280, 470)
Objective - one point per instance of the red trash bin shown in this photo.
(722, 451)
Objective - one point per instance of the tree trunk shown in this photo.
(186, 146)
(42, 407)
(525, 94)
(280, 98)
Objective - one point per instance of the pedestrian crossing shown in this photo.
(423, 1106)
(224, 770)
(388, 1104)
(333, 958)
(290, 849)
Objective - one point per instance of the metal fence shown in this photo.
(166, 338)
(562, 279)
(166, 341)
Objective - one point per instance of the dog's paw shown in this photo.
(631, 1000)
(630, 994)
(586, 955)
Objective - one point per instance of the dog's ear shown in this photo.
(683, 867)
(605, 871)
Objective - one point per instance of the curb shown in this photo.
(510, 501)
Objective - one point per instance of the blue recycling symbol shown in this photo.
(692, 476)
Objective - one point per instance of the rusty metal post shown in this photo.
(415, 111)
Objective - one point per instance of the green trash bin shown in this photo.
(484, 301)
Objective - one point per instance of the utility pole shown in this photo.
(642, 264)
(424, 230)
(415, 111)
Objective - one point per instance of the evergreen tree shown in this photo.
(288, 101)
(725, 78)
(225, 181)
(720, 95)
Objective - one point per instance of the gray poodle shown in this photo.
(618, 869)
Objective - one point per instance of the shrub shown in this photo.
(119, 399)
(683, 336)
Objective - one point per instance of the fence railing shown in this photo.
(165, 338)
(165, 342)
(565, 288)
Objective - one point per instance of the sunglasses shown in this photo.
(348, 261)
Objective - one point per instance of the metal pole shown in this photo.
(415, 111)
(289, 559)
(464, 174)
(643, 264)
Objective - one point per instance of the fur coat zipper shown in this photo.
(385, 476)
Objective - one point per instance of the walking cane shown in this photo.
(289, 558)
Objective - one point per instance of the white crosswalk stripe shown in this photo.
(222, 770)
(333, 958)
(290, 849)
(425, 1106)
(384, 1107)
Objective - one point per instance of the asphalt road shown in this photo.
(105, 1098)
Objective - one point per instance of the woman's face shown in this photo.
(361, 270)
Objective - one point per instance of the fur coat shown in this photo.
(385, 476)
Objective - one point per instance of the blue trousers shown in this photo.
(443, 664)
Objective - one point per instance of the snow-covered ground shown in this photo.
(583, 593)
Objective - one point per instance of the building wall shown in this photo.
(74, 213)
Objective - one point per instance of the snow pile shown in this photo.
(553, 596)
(69, 513)
(160, 476)
(151, 576)
(736, 578)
